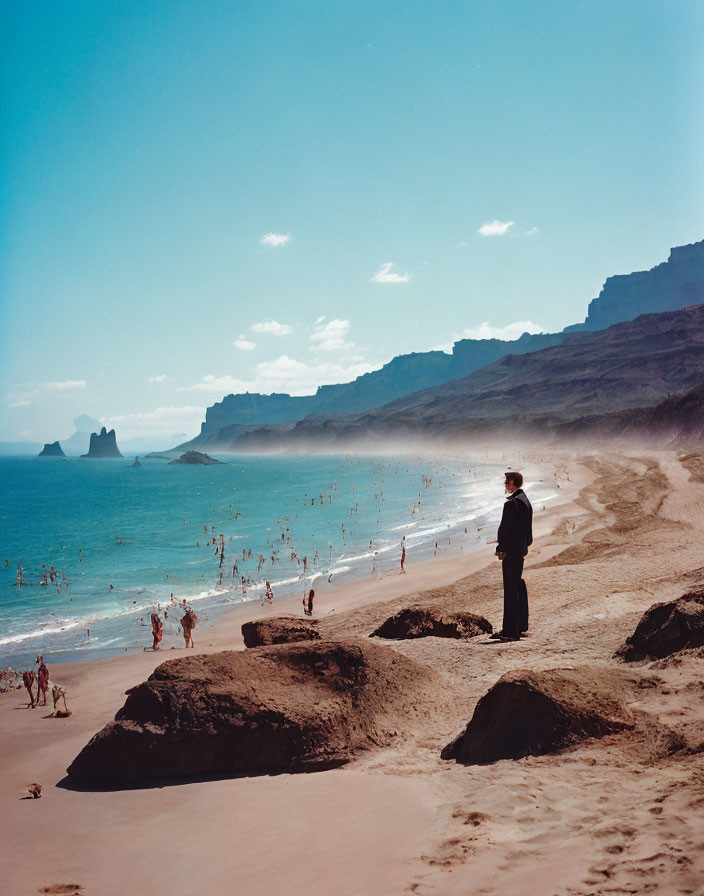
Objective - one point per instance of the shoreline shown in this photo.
(108, 641)
(449, 565)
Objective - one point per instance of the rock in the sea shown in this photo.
(529, 713)
(666, 628)
(51, 449)
(195, 457)
(103, 444)
(293, 707)
(420, 622)
(279, 630)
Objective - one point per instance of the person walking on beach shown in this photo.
(42, 680)
(157, 630)
(403, 553)
(28, 681)
(514, 538)
(188, 623)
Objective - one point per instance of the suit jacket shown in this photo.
(516, 528)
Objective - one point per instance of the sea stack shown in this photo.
(103, 444)
(51, 449)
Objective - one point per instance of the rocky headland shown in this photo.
(646, 375)
(254, 419)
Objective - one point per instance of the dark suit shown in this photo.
(514, 538)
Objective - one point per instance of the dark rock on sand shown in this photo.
(279, 630)
(51, 449)
(666, 628)
(195, 457)
(103, 444)
(420, 622)
(530, 713)
(293, 707)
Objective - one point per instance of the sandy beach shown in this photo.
(622, 814)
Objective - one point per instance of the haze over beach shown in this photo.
(351, 453)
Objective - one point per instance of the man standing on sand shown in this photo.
(514, 538)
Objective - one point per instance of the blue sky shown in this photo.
(149, 148)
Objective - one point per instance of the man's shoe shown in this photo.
(496, 636)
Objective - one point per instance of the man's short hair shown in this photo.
(515, 478)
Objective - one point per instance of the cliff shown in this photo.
(676, 283)
(51, 449)
(236, 415)
(672, 285)
(630, 365)
(103, 444)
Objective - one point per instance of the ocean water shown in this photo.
(123, 539)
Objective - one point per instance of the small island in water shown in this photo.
(103, 444)
(51, 449)
(195, 457)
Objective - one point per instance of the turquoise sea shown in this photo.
(149, 531)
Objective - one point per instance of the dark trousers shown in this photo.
(515, 597)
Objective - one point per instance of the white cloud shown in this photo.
(272, 327)
(275, 239)
(157, 379)
(64, 386)
(532, 231)
(330, 337)
(286, 375)
(496, 228)
(244, 344)
(386, 275)
(158, 422)
(22, 394)
(485, 330)
(320, 319)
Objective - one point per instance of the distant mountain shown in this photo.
(676, 283)
(629, 365)
(79, 442)
(238, 414)
(672, 285)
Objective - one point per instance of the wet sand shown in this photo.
(614, 815)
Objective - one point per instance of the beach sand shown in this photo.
(624, 814)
